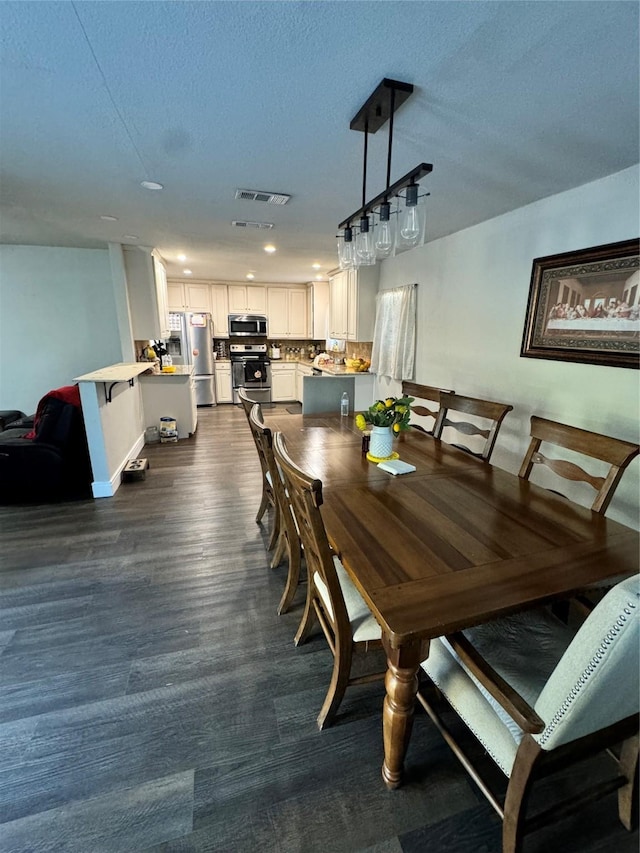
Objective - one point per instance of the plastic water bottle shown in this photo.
(344, 404)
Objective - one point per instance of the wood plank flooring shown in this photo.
(152, 700)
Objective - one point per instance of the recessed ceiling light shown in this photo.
(109, 218)
(319, 277)
(187, 272)
(269, 248)
(250, 275)
(315, 266)
(130, 237)
(182, 258)
(151, 185)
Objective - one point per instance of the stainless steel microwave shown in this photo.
(247, 325)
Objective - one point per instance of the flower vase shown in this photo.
(381, 445)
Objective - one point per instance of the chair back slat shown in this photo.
(423, 393)
(263, 441)
(613, 451)
(487, 409)
(305, 494)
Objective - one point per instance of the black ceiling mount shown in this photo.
(376, 109)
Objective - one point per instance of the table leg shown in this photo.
(401, 682)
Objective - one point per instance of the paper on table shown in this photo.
(396, 466)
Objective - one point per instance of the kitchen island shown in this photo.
(170, 395)
(322, 393)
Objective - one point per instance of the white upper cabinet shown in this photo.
(287, 312)
(247, 299)
(220, 310)
(147, 290)
(352, 304)
(189, 296)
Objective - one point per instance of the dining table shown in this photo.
(455, 543)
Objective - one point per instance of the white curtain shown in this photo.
(394, 336)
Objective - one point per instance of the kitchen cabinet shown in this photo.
(147, 291)
(302, 371)
(170, 395)
(318, 310)
(189, 296)
(247, 299)
(220, 310)
(224, 392)
(283, 382)
(352, 304)
(287, 312)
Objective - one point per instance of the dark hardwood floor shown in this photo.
(152, 700)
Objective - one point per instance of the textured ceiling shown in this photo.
(513, 101)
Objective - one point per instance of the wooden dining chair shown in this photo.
(288, 541)
(268, 497)
(614, 451)
(424, 396)
(484, 409)
(539, 697)
(332, 599)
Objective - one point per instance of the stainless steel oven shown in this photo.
(251, 370)
(247, 326)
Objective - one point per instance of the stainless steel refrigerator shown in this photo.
(191, 342)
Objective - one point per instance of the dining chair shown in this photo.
(423, 394)
(268, 497)
(484, 409)
(539, 697)
(332, 599)
(614, 451)
(288, 542)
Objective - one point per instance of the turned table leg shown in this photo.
(401, 682)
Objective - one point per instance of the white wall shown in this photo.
(57, 320)
(472, 299)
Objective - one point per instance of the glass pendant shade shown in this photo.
(365, 249)
(346, 250)
(384, 236)
(411, 220)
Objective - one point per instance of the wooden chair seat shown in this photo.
(332, 599)
(539, 697)
(483, 409)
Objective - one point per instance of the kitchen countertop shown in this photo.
(329, 368)
(180, 371)
(121, 372)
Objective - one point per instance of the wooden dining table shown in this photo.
(452, 544)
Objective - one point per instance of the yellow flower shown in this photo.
(360, 422)
(401, 409)
(396, 428)
(380, 406)
(389, 402)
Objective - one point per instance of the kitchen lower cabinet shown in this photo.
(302, 371)
(283, 382)
(170, 395)
(224, 391)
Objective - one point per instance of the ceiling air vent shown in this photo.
(260, 195)
(242, 223)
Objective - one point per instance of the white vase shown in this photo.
(381, 445)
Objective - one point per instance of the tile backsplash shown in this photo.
(359, 349)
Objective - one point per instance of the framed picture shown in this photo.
(585, 306)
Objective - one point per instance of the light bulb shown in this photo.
(410, 227)
(384, 239)
(365, 249)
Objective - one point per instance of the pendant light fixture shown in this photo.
(380, 231)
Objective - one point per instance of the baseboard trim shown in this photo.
(108, 488)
